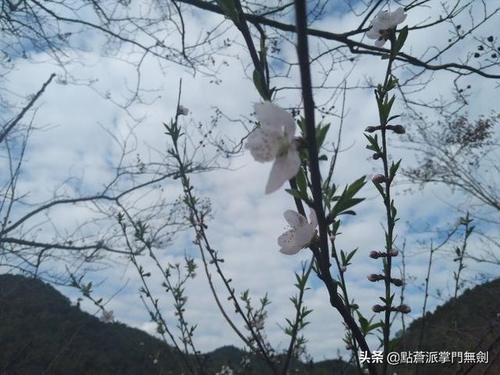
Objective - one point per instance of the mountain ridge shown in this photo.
(42, 333)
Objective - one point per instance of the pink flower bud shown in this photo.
(378, 308)
(404, 309)
(398, 129)
(393, 253)
(397, 282)
(182, 111)
(374, 277)
(371, 129)
(378, 179)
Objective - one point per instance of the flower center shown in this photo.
(283, 146)
(384, 34)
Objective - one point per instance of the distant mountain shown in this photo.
(42, 333)
(471, 323)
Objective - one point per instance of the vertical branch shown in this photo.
(433, 249)
(336, 150)
(389, 214)
(403, 287)
(197, 220)
(300, 313)
(258, 63)
(460, 252)
(307, 97)
(321, 253)
(21, 114)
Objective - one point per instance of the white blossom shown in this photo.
(107, 316)
(225, 370)
(300, 234)
(383, 22)
(274, 140)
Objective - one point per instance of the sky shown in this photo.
(76, 146)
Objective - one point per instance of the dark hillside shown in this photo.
(471, 323)
(41, 333)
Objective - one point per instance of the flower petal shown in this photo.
(384, 20)
(373, 33)
(380, 42)
(313, 218)
(294, 219)
(398, 16)
(284, 168)
(290, 251)
(288, 244)
(304, 235)
(270, 115)
(263, 144)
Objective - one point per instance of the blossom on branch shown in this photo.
(383, 23)
(274, 140)
(300, 234)
(182, 111)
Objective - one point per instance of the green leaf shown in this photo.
(356, 186)
(263, 51)
(350, 212)
(294, 193)
(336, 225)
(321, 134)
(300, 178)
(393, 118)
(394, 211)
(364, 323)
(260, 84)
(373, 326)
(385, 108)
(347, 200)
(351, 254)
(299, 195)
(394, 168)
(391, 83)
(372, 143)
(470, 230)
(403, 34)
(229, 9)
(380, 189)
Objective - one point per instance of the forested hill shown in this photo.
(42, 333)
(469, 323)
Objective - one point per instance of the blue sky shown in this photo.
(80, 121)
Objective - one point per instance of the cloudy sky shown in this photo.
(89, 112)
